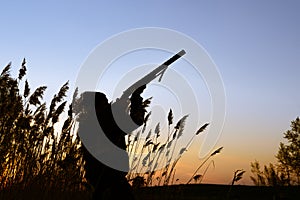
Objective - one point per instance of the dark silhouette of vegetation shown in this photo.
(41, 155)
(34, 156)
(157, 155)
(287, 171)
(237, 176)
(197, 177)
(205, 160)
(288, 155)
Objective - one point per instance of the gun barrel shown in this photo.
(163, 66)
(152, 75)
(174, 58)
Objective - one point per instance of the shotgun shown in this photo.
(159, 71)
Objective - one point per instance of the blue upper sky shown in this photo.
(255, 45)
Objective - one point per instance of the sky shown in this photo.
(255, 46)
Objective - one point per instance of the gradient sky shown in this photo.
(255, 45)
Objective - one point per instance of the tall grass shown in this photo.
(34, 155)
(40, 151)
(154, 158)
(202, 164)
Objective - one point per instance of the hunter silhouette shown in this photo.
(106, 182)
